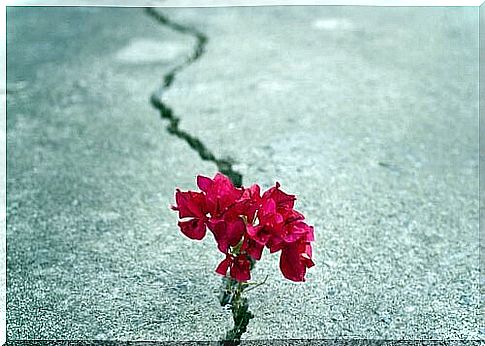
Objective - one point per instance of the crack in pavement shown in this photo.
(223, 165)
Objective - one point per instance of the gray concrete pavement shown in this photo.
(93, 250)
(369, 115)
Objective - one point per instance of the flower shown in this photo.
(227, 233)
(295, 259)
(243, 222)
(238, 266)
(282, 199)
(191, 205)
(252, 248)
(279, 224)
(220, 194)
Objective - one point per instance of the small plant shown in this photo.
(243, 222)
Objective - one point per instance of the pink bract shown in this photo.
(243, 222)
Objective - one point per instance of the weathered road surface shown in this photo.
(369, 115)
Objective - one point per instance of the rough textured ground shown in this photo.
(369, 115)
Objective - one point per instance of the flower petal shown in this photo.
(194, 228)
(204, 183)
(252, 193)
(275, 243)
(221, 194)
(298, 230)
(240, 268)
(253, 230)
(290, 264)
(224, 265)
(307, 256)
(282, 199)
(253, 248)
(295, 259)
(219, 230)
(190, 204)
(259, 234)
(310, 235)
(235, 231)
(267, 209)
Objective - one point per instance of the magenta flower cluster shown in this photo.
(243, 222)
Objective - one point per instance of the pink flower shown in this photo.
(252, 200)
(269, 221)
(291, 230)
(229, 207)
(282, 199)
(279, 226)
(238, 266)
(252, 248)
(220, 193)
(295, 259)
(243, 222)
(227, 233)
(191, 205)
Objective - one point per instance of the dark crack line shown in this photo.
(223, 165)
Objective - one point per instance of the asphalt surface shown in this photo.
(368, 115)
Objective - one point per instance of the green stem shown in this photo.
(240, 314)
(256, 284)
(233, 295)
